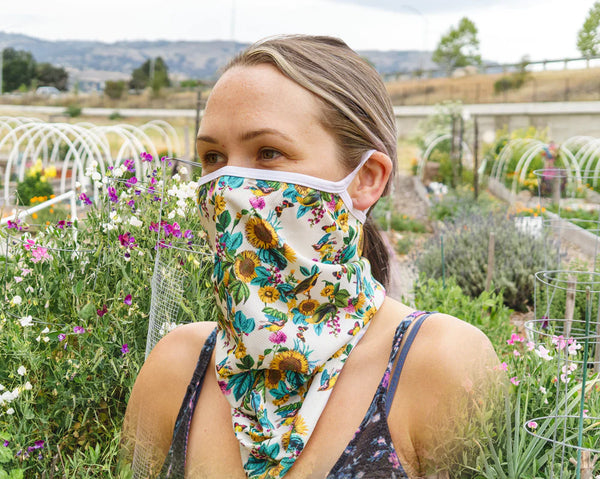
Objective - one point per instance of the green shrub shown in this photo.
(115, 115)
(73, 111)
(33, 185)
(486, 311)
(517, 256)
(461, 201)
(403, 245)
(114, 89)
(76, 320)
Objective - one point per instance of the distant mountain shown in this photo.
(92, 63)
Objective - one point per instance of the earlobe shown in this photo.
(369, 183)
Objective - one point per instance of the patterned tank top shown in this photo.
(370, 453)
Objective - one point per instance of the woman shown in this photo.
(297, 376)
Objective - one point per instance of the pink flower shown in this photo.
(223, 386)
(86, 201)
(78, 330)
(530, 345)
(516, 353)
(559, 342)
(532, 425)
(543, 353)
(258, 203)
(61, 336)
(103, 311)
(127, 300)
(503, 366)
(278, 337)
(514, 338)
(125, 348)
(29, 244)
(514, 380)
(39, 254)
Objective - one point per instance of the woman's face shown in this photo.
(258, 118)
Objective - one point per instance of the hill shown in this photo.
(95, 62)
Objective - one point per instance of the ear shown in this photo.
(368, 185)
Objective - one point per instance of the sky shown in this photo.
(508, 29)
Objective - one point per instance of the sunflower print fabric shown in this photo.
(296, 296)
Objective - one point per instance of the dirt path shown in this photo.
(402, 267)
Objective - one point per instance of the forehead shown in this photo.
(260, 92)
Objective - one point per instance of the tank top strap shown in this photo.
(393, 384)
(174, 464)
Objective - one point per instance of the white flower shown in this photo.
(29, 289)
(77, 185)
(18, 279)
(10, 411)
(46, 339)
(183, 170)
(133, 221)
(1, 387)
(543, 389)
(22, 370)
(171, 215)
(17, 300)
(114, 216)
(28, 386)
(26, 321)
(573, 347)
(118, 171)
(96, 176)
(166, 327)
(180, 212)
(46, 330)
(176, 177)
(543, 353)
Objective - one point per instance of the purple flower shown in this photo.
(278, 337)
(61, 337)
(36, 445)
(78, 330)
(153, 227)
(127, 240)
(5, 443)
(545, 323)
(112, 194)
(86, 201)
(131, 203)
(62, 224)
(125, 348)
(131, 181)
(146, 156)
(103, 311)
(258, 203)
(164, 158)
(127, 300)
(129, 164)
(188, 234)
(14, 224)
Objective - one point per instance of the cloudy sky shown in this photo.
(508, 29)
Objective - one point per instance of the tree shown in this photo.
(153, 73)
(459, 47)
(588, 38)
(18, 68)
(114, 89)
(49, 75)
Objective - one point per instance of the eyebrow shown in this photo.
(247, 136)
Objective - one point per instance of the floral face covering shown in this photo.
(296, 297)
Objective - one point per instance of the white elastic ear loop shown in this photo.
(365, 157)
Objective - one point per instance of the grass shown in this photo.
(556, 85)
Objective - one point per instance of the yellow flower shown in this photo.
(34, 216)
(369, 315)
(261, 234)
(343, 221)
(50, 171)
(272, 378)
(308, 306)
(268, 294)
(289, 253)
(245, 266)
(360, 301)
(220, 204)
(290, 361)
(240, 350)
(283, 400)
(327, 291)
(300, 426)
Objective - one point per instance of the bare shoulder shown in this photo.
(452, 374)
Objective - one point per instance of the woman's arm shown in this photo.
(453, 386)
(157, 396)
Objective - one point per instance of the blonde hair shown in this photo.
(356, 107)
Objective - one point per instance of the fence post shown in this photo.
(570, 305)
(476, 157)
(490, 265)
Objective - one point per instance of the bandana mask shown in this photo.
(295, 296)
